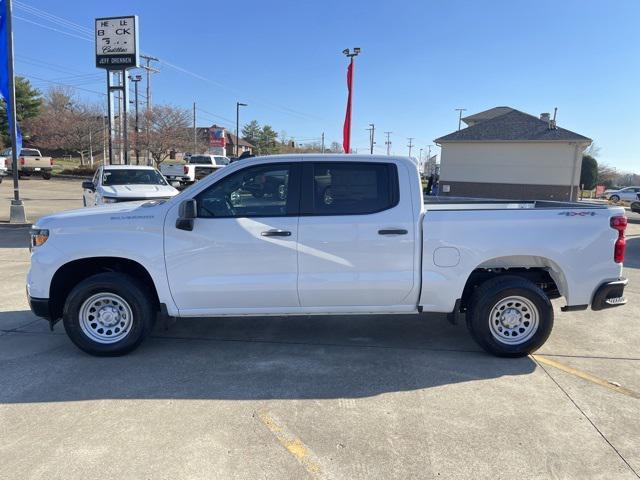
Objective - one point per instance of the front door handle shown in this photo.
(276, 233)
(393, 231)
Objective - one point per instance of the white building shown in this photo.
(506, 153)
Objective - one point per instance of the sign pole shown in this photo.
(125, 120)
(110, 116)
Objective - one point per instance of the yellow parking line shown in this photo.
(586, 376)
(293, 444)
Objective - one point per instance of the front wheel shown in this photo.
(614, 198)
(108, 314)
(510, 316)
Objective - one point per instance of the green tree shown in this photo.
(589, 172)
(267, 141)
(28, 102)
(251, 132)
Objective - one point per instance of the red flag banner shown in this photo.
(346, 130)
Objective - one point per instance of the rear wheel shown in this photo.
(509, 316)
(108, 314)
(614, 198)
(46, 175)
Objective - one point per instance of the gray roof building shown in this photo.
(505, 124)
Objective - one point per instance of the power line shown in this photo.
(84, 33)
(63, 84)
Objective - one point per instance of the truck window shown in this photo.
(259, 191)
(353, 188)
(200, 160)
(221, 161)
(29, 152)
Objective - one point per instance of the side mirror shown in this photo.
(88, 185)
(186, 215)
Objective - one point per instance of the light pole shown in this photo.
(135, 81)
(238, 105)
(16, 211)
(347, 124)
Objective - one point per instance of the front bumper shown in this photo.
(609, 295)
(40, 307)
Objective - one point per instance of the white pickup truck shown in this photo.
(30, 162)
(195, 168)
(325, 235)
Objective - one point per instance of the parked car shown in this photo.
(30, 162)
(635, 205)
(195, 168)
(370, 247)
(125, 183)
(3, 169)
(627, 194)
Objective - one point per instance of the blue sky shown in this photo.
(420, 60)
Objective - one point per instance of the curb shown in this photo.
(14, 226)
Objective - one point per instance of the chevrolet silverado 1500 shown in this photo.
(327, 235)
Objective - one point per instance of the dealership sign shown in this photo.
(117, 42)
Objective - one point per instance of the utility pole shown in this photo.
(372, 140)
(410, 144)
(135, 81)
(238, 105)
(149, 69)
(322, 142)
(460, 116)
(195, 131)
(388, 142)
(90, 147)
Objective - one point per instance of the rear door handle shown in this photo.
(276, 233)
(393, 231)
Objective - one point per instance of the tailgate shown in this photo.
(172, 169)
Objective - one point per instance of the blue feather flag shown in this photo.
(4, 71)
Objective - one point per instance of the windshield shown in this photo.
(221, 160)
(132, 177)
(200, 160)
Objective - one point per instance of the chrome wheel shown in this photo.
(513, 320)
(105, 318)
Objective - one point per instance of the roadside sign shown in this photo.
(599, 190)
(217, 141)
(117, 42)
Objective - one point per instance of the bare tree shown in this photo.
(169, 131)
(64, 123)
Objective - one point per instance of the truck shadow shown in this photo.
(249, 359)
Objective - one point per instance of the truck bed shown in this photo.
(461, 236)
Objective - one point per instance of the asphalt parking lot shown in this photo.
(313, 397)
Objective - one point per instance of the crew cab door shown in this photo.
(356, 236)
(241, 254)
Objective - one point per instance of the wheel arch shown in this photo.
(67, 276)
(542, 271)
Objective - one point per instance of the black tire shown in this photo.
(46, 175)
(489, 295)
(614, 198)
(135, 293)
(1, 177)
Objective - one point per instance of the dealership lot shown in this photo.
(313, 397)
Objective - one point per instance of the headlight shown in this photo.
(38, 237)
(109, 200)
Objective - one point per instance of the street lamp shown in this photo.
(347, 130)
(238, 105)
